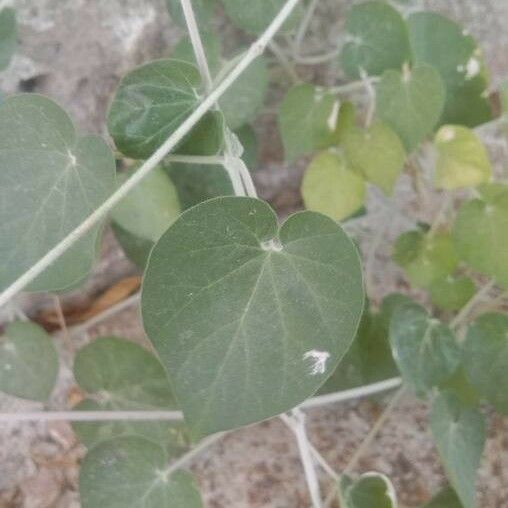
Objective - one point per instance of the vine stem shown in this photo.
(196, 159)
(353, 462)
(478, 297)
(256, 49)
(302, 29)
(97, 416)
(297, 425)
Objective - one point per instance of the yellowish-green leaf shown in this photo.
(452, 293)
(462, 159)
(377, 153)
(330, 187)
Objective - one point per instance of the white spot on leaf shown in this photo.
(472, 68)
(319, 359)
(332, 119)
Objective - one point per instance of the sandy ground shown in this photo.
(76, 51)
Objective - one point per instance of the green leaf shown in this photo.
(459, 434)
(241, 103)
(480, 238)
(249, 319)
(149, 208)
(196, 183)
(370, 490)
(411, 102)
(452, 293)
(461, 387)
(118, 375)
(254, 17)
(377, 40)
(247, 138)
(462, 160)
(203, 10)
(130, 472)
(443, 44)
(369, 359)
(425, 258)
(28, 362)
(377, 153)
(447, 498)
(329, 187)
(50, 181)
(307, 119)
(345, 122)
(486, 358)
(8, 36)
(135, 248)
(425, 350)
(151, 103)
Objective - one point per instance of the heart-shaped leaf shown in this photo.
(203, 10)
(446, 46)
(425, 350)
(486, 358)
(254, 17)
(118, 375)
(307, 119)
(8, 36)
(148, 209)
(452, 293)
(50, 181)
(370, 490)
(459, 433)
(426, 258)
(462, 159)
(411, 102)
(479, 234)
(377, 153)
(447, 498)
(28, 362)
(131, 472)
(377, 40)
(249, 319)
(150, 104)
(329, 187)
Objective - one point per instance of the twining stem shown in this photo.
(353, 462)
(297, 425)
(196, 159)
(62, 323)
(197, 45)
(458, 320)
(185, 127)
(302, 29)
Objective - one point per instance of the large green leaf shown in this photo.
(50, 181)
(148, 209)
(150, 104)
(377, 153)
(8, 36)
(203, 10)
(459, 433)
(425, 258)
(254, 17)
(130, 472)
(135, 248)
(446, 498)
(480, 236)
(118, 375)
(241, 103)
(329, 187)
(411, 102)
(440, 42)
(377, 40)
(486, 358)
(307, 119)
(425, 350)
(249, 319)
(370, 490)
(28, 362)
(462, 160)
